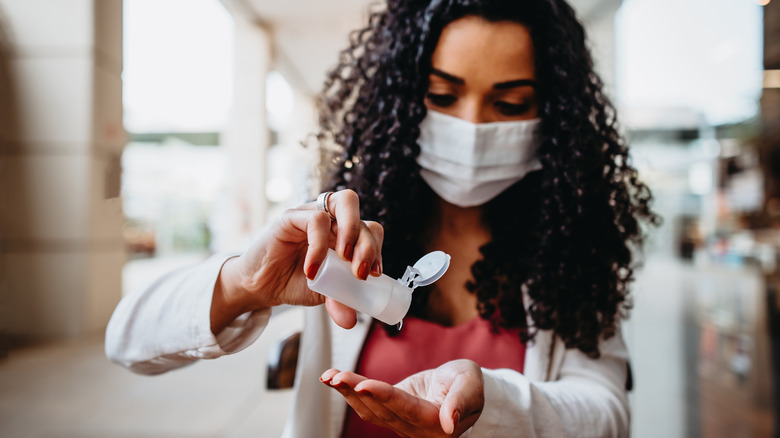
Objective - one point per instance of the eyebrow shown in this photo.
(448, 77)
(515, 84)
(499, 86)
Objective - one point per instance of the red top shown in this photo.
(423, 345)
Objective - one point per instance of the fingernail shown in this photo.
(349, 249)
(334, 382)
(455, 419)
(313, 271)
(376, 269)
(363, 270)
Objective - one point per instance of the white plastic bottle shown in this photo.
(382, 297)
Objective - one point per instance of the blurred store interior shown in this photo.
(142, 135)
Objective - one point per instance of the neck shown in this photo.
(454, 220)
(460, 233)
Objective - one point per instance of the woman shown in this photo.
(474, 127)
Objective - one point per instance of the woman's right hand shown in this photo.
(274, 269)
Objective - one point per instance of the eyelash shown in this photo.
(511, 109)
(507, 109)
(443, 100)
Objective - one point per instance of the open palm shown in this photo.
(442, 402)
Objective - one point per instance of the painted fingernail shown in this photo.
(363, 270)
(313, 271)
(349, 251)
(376, 269)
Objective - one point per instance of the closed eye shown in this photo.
(512, 109)
(442, 100)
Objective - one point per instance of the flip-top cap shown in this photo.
(431, 267)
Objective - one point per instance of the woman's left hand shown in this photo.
(443, 402)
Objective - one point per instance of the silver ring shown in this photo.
(322, 204)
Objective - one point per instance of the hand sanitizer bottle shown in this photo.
(382, 297)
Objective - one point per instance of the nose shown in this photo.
(473, 111)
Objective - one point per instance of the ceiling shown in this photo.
(308, 34)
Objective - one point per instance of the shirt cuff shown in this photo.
(238, 334)
(243, 331)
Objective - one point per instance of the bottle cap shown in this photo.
(427, 270)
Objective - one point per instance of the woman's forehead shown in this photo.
(474, 47)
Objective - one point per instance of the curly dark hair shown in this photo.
(564, 235)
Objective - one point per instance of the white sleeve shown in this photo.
(588, 399)
(168, 325)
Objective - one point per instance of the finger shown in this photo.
(343, 382)
(367, 252)
(384, 417)
(381, 415)
(378, 235)
(343, 316)
(463, 403)
(328, 375)
(355, 402)
(356, 241)
(344, 205)
(297, 226)
(382, 391)
(348, 378)
(409, 408)
(317, 237)
(317, 228)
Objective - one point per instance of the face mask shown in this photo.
(469, 164)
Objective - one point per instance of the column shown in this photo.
(61, 246)
(246, 137)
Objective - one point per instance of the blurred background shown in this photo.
(138, 136)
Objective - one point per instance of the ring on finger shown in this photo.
(322, 204)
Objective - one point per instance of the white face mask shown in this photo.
(469, 164)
